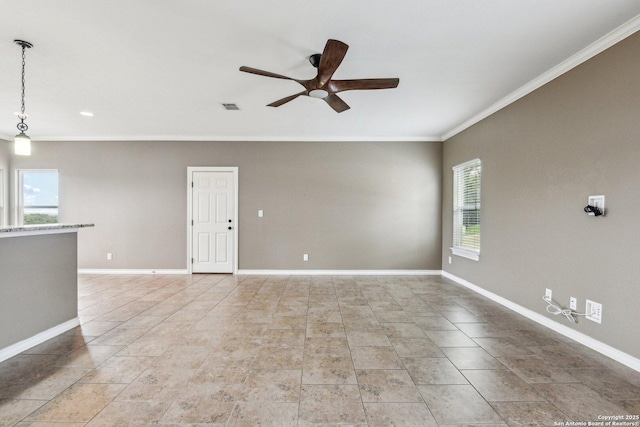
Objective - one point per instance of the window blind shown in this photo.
(466, 206)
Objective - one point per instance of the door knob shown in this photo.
(229, 220)
(230, 228)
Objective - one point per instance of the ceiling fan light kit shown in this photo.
(318, 93)
(322, 86)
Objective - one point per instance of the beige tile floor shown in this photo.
(222, 350)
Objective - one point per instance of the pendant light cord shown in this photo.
(22, 126)
(23, 67)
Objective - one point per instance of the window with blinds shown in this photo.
(466, 209)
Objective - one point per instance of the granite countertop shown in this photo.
(40, 227)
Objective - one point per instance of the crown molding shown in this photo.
(600, 45)
(218, 138)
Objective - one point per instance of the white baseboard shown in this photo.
(130, 271)
(19, 347)
(339, 272)
(272, 272)
(599, 346)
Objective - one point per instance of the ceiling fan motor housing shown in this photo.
(315, 59)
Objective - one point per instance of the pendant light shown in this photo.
(22, 142)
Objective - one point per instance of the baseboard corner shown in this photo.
(24, 345)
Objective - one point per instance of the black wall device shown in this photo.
(593, 210)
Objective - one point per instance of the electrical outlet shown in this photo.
(573, 303)
(547, 293)
(109, 256)
(449, 260)
(594, 311)
(305, 257)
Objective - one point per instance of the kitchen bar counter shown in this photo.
(38, 284)
(15, 230)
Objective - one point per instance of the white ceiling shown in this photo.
(160, 69)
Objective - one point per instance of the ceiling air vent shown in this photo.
(230, 107)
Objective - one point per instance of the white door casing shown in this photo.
(212, 220)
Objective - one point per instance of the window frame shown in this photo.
(459, 208)
(3, 201)
(19, 211)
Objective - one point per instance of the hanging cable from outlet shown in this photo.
(555, 308)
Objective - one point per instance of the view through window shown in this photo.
(39, 196)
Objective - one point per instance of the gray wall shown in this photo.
(349, 205)
(38, 284)
(542, 157)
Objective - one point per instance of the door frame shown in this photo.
(190, 170)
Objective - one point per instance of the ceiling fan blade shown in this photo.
(336, 103)
(363, 84)
(263, 73)
(334, 52)
(287, 99)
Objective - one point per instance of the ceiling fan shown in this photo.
(322, 86)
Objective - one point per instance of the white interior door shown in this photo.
(213, 214)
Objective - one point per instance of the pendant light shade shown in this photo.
(22, 141)
(22, 144)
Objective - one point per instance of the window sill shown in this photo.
(465, 253)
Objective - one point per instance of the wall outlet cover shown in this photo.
(594, 311)
(548, 293)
